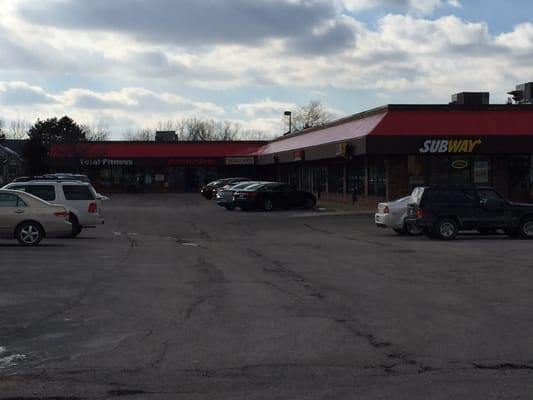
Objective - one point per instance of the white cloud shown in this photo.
(264, 107)
(424, 7)
(22, 94)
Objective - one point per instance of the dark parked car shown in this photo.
(272, 195)
(224, 196)
(443, 211)
(209, 190)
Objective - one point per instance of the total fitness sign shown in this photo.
(438, 146)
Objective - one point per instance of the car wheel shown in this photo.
(310, 203)
(268, 205)
(413, 230)
(29, 234)
(526, 228)
(446, 229)
(76, 228)
(230, 208)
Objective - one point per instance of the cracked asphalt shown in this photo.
(177, 298)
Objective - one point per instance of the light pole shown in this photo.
(289, 114)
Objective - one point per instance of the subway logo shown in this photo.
(450, 146)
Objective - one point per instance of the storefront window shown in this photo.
(377, 181)
(320, 178)
(335, 178)
(481, 170)
(356, 176)
(459, 170)
(416, 170)
(519, 177)
(307, 178)
(439, 167)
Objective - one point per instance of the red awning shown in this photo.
(333, 134)
(128, 150)
(455, 123)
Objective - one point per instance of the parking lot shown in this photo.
(175, 297)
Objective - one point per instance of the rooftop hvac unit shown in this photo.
(523, 94)
(166, 136)
(471, 98)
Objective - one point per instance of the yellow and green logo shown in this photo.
(450, 146)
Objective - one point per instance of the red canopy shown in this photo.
(122, 150)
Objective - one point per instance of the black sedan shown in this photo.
(209, 190)
(272, 195)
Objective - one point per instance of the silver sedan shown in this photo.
(29, 219)
(392, 215)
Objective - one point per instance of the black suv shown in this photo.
(443, 211)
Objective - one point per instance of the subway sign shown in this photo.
(438, 146)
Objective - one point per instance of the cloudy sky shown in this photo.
(132, 63)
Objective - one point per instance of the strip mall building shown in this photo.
(380, 154)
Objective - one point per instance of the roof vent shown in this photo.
(166, 136)
(471, 98)
(523, 94)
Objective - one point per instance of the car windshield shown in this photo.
(255, 187)
(242, 185)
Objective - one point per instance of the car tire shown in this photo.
(29, 234)
(310, 203)
(268, 205)
(525, 229)
(413, 230)
(446, 229)
(76, 227)
(230, 208)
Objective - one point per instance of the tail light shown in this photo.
(419, 213)
(93, 208)
(61, 214)
(386, 210)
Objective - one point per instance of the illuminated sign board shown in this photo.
(449, 146)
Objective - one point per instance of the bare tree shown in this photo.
(2, 134)
(141, 135)
(253, 134)
(310, 115)
(97, 132)
(18, 129)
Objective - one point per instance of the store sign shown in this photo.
(240, 160)
(106, 162)
(459, 164)
(341, 149)
(449, 146)
(191, 162)
(298, 155)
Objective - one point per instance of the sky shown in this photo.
(131, 64)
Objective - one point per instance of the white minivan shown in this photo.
(82, 201)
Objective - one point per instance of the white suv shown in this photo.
(82, 201)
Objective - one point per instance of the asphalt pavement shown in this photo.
(176, 298)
